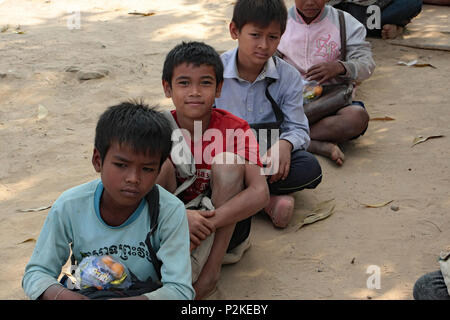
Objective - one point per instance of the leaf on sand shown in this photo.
(28, 240)
(322, 211)
(414, 63)
(142, 14)
(4, 28)
(386, 118)
(379, 205)
(421, 139)
(35, 209)
(42, 112)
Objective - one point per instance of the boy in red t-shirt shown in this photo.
(226, 157)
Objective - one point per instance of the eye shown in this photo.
(274, 37)
(183, 83)
(254, 35)
(149, 169)
(120, 165)
(206, 82)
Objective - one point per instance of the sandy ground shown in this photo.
(43, 154)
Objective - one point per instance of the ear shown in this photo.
(167, 89)
(97, 160)
(219, 89)
(234, 31)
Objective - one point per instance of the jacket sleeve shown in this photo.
(359, 64)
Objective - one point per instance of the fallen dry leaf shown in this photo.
(414, 63)
(35, 209)
(421, 139)
(142, 14)
(382, 119)
(320, 212)
(5, 28)
(28, 240)
(377, 205)
(42, 112)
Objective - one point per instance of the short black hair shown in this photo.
(143, 128)
(193, 52)
(260, 12)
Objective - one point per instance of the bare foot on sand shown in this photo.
(327, 149)
(391, 31)
(280, 209)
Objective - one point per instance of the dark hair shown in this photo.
(196, 53)
(260, 12)
(143, 128)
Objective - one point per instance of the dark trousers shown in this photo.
(305, 173)
(431, 286)
(398, 12)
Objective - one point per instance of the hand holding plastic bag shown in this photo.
(102, 273)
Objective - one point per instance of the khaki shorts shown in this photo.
(200, 255)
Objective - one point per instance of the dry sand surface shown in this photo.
(48, 116)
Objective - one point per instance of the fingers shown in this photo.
(195, 242)
(199, 226)
(321, 73)
(282, 173)
(207, 213)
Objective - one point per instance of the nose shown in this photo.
(195, 90)
(263, 43)
(133, 176)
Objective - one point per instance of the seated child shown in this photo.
(267, 92)
(312, 44)
(393, 18)
(226, 171)
(431, 286)
(111, 215)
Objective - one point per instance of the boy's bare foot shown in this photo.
(206, 285)
(327, 149)
(391, 31)
(280, 210)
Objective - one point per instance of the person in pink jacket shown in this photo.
(311, 43)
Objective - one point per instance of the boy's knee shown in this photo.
(359, 119)
(227, 173)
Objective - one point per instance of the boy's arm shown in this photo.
(249, 201)
(174, 254)
(295, 127)
(49, 255)
(359, 64)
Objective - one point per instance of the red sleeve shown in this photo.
(239, 138)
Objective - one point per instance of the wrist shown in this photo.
(288, 144)
(341, 68)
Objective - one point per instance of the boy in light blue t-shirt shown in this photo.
(112, 217)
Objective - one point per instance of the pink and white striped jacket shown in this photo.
(304, 45)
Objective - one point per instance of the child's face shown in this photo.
(310, 8)
(256, 44)
(127, 176)
(193, 91)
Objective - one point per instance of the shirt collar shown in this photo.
(231, 70)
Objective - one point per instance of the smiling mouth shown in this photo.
(195, 103)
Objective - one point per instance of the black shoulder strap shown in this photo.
(153, 208)
(276, 109)
(343, 32)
